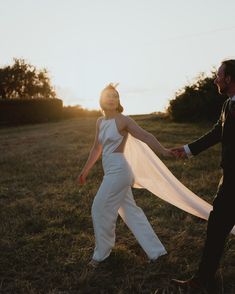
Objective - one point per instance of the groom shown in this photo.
(222, 217)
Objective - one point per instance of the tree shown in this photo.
(22, 80)
(197, 101)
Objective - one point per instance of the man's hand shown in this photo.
(179, 152)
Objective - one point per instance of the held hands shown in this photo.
(168, 153)
(179, 152)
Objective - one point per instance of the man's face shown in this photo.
(221, 81)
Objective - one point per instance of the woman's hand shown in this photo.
(168, 153)
(82, 178)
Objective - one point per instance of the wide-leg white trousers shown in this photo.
(115, 197)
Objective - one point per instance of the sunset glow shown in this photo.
(152, 48)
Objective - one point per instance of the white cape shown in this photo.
(152, 174)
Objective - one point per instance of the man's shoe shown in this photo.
(192, 283)
(195, 284)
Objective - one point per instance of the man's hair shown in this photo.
(229, 69)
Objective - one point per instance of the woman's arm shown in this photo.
(136, 131)
(94, 155)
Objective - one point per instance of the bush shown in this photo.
(14, 111)
(78, 111)
(199, 101)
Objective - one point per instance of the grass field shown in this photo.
(46, 229)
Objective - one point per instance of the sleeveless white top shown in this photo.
(109, 136)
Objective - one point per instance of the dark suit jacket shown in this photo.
(224, 132)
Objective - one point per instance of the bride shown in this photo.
(114, 195)
(129, 160)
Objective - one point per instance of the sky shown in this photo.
(152, 48)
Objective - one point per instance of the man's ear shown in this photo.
(227, 80)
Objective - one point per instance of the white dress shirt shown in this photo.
(186, 147)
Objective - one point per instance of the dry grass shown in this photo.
(46, 230)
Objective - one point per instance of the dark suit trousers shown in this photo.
(220, 223)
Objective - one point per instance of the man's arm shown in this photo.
(201, 144)
(212, 137)
(209, 139)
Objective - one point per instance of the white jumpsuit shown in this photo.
(115, 197)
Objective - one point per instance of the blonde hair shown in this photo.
(112, 87)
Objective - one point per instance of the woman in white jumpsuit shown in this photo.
(114, 195)
(135, 165)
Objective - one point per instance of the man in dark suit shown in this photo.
(222, 217)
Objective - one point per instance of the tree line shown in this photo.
(24, 81)
(198, 101)
(27, 96)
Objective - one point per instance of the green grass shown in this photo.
(46, 229)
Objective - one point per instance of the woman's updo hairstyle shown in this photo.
(112, 87)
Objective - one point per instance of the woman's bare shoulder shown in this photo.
(123, 119)
(127, 119)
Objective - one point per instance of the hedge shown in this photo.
(30, 110)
